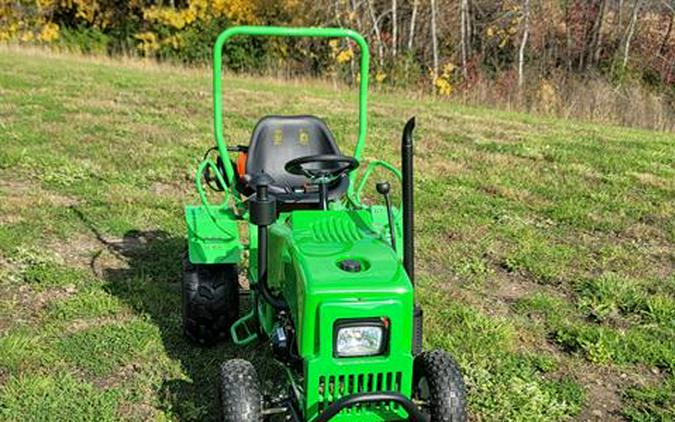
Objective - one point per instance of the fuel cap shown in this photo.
(350, 265)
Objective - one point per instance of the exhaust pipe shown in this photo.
(409, 228)
(263, 212)
(408, 199)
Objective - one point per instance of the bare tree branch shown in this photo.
(378, 35)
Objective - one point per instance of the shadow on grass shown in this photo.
(151, 286)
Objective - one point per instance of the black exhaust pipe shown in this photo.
(408, 200)
(263, 212)
(409, 228)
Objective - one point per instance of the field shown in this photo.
(546, 247)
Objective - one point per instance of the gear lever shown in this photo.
(383, 188)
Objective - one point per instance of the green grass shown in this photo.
(545, 259)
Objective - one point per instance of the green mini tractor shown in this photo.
(330, 280)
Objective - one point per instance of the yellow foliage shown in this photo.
(49, 32)
(341, 55)
(27, 37)
(238, 11)
(175, 41)
(149, 43)
(177, 19)
(444, 87)
(90, 10)
(380, 77)
(443, 82)
(448, 69)
(9, 32)
(344, 56)
(49, 4)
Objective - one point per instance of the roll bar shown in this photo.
(277, 31)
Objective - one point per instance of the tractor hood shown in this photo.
(335, 264)
(339, 253)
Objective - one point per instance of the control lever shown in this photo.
(383, 188)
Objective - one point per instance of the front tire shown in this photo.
(240, 395)
(210, 301)
(438, 383)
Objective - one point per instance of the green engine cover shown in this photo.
(306, 249)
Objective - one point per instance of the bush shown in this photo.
(83, 40)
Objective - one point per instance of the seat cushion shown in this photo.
(278, 139)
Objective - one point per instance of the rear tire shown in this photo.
(438, 382)
(240, 395)
(210, 301)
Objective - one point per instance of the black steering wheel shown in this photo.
(322, 166)
(322, 169)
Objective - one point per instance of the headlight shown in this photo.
(360, 337)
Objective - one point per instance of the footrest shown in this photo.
(241, 325)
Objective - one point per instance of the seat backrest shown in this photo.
(279, 139)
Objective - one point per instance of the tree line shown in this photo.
(530, 53)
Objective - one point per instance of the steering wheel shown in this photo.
(322, 169)
(322, 166)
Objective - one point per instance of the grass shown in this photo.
(546, 247)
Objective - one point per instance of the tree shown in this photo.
(630, 31)
(378, 34)
(523, 41)
(394, 28)
(595, 46)
(413, 18)
(464, 18)
(434, 40)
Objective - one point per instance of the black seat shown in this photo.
(279, 139)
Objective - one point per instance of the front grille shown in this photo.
(333, 387)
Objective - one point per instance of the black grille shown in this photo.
(333, 387)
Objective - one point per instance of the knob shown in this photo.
(383, 188)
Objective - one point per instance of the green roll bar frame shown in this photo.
(277, 31)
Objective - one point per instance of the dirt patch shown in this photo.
(28, 304)
(604, 387)
(173, 190)
(137, 411)
(118, 377)
(511, 287)
(645, 233)
(652, 180)
(20, 195)
(9, 218)
(443, 168)
(46, 297)
(86, 324)
(603, 399)
(514, 194)
(77, 251)
(98, 253)
(507, 287)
